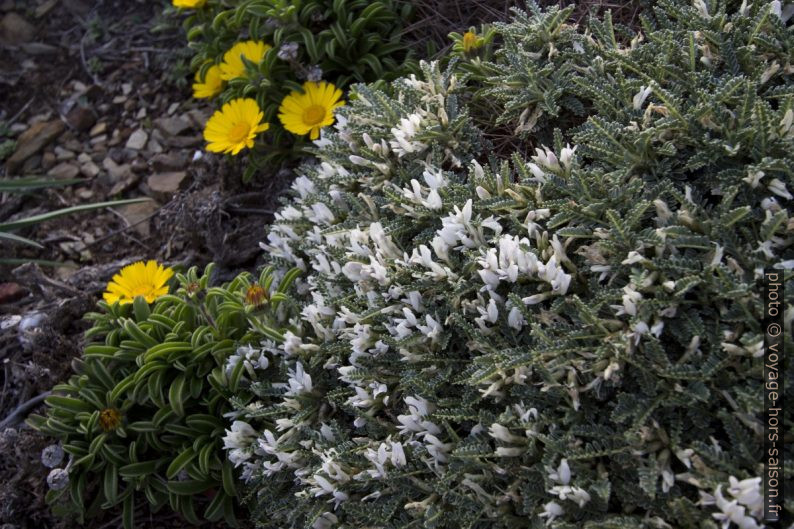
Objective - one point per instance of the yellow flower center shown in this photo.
(145, 291)
(314, 115)
(109, 419)
(239, 132)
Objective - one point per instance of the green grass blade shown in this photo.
(21, 223)
(17, 238)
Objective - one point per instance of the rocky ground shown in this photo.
(98, 91)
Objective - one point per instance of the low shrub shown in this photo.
(568, 339)
(143, 415)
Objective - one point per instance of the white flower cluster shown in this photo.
(745, 508)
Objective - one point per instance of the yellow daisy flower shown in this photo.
(233, 65)
(312, 110)
(470, 41)
(211, 85)
(148, 280)
(234, 126)
(190, 4)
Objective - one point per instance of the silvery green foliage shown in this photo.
(568, 340)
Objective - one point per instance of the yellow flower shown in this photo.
(234, 127)
(255, 295)
(190, 4)
(211, 85)
(470, 41)
(109, 419)
(233, 65)
(312, 110)
(147, 280)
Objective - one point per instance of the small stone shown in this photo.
(81, 118)
(84, 158)
(102, 138)
(172, 108)
(119, 100)
(64, 170)
(84, 193)
(168, 162)
(126, 88)
(166, 184)
(14, 30)
(63, 154)
(141, 114)
(137, 140)
(173, 126)
(98, 129)
(72, 144)
(115, 170)
(155, 147)
(48, 160)
(89, 169)
(138, 166)
(139, 216)
(121, 176)
(32, 141)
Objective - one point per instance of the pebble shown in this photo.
(63, 154)
(64, 170)
(89, 169)
(137, 140)
(48, 160)
(98, 129)
(166, 184)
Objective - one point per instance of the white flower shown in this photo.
(748, 493)
(414, 421)
(251, 358)
(403, 136)
(432, 330)
(500, 433)
(551, 510)
(566, 156)
(633, 257)
(575, 494)
(304, 186)
(547, 159)
(641, 96)
(563, 473)
(732, 512)
(299, 381)
(516, 319)
(779, 188)
(240, 436)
